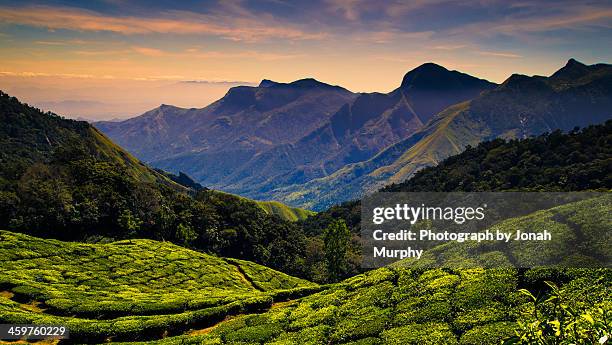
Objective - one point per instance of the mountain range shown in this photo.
(312, 145)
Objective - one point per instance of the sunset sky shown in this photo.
(115, 58)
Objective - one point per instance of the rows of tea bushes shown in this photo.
(467, 300)
(415, 306)
(133, 289)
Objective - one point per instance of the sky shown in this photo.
(105, 59)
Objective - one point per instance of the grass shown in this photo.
(279, 209)
(285, 212)
(580, 232)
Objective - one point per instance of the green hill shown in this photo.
(461, 303)
(134, 289)
(574, 161)
(557, 161)
(164, 294)
(276, 208)
(580, 232)
(63, 179)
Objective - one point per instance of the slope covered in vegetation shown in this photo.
(465, 302)
(284, 211)
(63, 179)
(161, 293)
(132, 289)
(574, 161)
(522, 106)
(270, 207)
(557, 161)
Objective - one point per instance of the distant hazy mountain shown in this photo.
(356, 132)
(213, 142)
(256, 140)
(576, 95)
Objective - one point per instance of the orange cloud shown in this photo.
(176, 22)
(499, 54)
(149, 51)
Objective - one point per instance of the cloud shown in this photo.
(499, 54)
(170, 22)
(62, 42)
(571, 16)
(349, 9)
(200, 54)
(220, 82)
(388, 36)
(28, 74)
(449, 47)
(149, 51)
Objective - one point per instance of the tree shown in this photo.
(129, 223)
(336, 239)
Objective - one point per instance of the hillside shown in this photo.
(133, 289)
(578, 160)
(575, 161)
(276, 208)
(63, 179)
(461, 303)
(576, 95)
(283, 211)
(258, 139)
(28, 136)
(403, 306)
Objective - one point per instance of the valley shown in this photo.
(325, 172)
(370, 140)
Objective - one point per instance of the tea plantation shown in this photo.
(413, 306)
(155, 292)
(460, 303)
(133, 289)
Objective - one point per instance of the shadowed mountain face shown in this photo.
(256, 140)
(576, 95)
(213, 142)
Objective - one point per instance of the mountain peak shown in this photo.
(425, 71)
(573, 69)
(267, 83)
(573, 62)
(431, 76)
(308, 82)
(300, 83)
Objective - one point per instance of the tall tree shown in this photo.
(336, 238)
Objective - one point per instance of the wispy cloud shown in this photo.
(28, 74)
(572, 16)
(219, 82)
(63, 42)
(388, 36)
(449, 46)
(149, 51)
(202, 54)
(349, 9)
(175, 22)
(499, 54)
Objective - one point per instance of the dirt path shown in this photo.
(244, 277)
